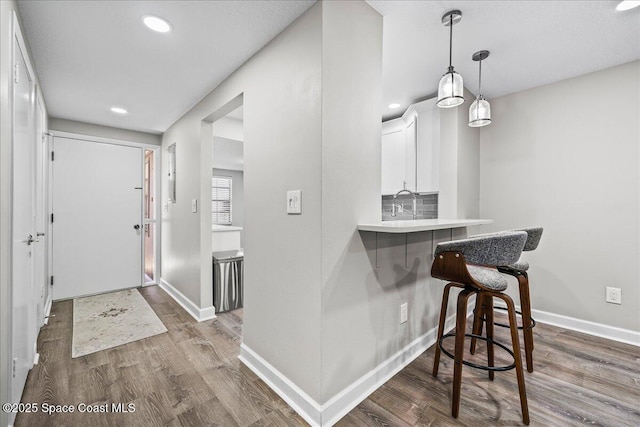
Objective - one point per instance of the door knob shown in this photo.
(29, 240)
(137, 226)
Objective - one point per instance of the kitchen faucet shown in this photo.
(395, 207)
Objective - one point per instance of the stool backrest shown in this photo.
(533, 237)
(489, 250)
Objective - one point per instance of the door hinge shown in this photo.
(52, 156)
(15, 362)
(16, 72)
(51, 280)
(51, 218)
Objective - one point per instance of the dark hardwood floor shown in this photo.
(190, 376)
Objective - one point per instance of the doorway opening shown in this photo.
(149, 217)
(227, 212)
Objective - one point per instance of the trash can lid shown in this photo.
(224, 255)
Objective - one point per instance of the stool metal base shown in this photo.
(475, 365)
(503, 325)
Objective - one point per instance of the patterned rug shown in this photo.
(109, 320)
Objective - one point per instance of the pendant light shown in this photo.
(450, 89)
(480, 110)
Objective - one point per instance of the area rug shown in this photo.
(109, 320)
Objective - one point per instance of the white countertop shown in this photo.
(420, 225)
(217, 227)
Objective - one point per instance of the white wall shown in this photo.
(281, 87)
(227, 153)
(458, 174)
(565, 156)
(90, 129)
(351, 188)
(229, 128)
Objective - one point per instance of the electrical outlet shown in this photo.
(614, 295)
(404, 313)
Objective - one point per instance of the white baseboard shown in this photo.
(343, 402)
(585, 326)
(592, 328)
(300, 401)
(200, 314)
(350, 397)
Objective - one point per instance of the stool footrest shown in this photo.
(503, 325)
(475, 365)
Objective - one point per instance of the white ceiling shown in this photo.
(92, 55)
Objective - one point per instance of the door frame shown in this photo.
(7, 232)
(157, 149)
(42, 209)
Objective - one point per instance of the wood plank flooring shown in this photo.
(190, 376)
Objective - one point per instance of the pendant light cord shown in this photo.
(480, 79)
(450, 38)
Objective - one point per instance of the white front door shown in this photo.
(23, 324)
(97, 223)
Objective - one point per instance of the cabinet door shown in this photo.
(410, 139)
(393, 161)
(428, 148)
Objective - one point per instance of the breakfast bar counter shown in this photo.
(413, 226)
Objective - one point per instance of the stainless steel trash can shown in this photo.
(227, 280)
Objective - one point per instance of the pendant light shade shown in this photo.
(450, 88)
(479, 113)
(480, 110)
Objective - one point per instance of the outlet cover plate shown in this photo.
(404, 313)
(614, 295)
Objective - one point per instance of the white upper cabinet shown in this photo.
(428, 146)
(393, 156)
(410, 149)
(410, 140)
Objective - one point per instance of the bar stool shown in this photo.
(519, 271)
(470, 264)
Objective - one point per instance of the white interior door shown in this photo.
(23, 319)
(97, 207)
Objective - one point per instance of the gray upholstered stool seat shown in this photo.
(471, 264)
(488, 277)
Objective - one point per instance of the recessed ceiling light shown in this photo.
(394, 106)
(119, 110)
(156, 24)
(627, 4)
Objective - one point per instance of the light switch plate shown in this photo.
(294, 202)
(194, 205)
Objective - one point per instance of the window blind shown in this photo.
(221, 204)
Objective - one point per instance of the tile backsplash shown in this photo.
(427, 207)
